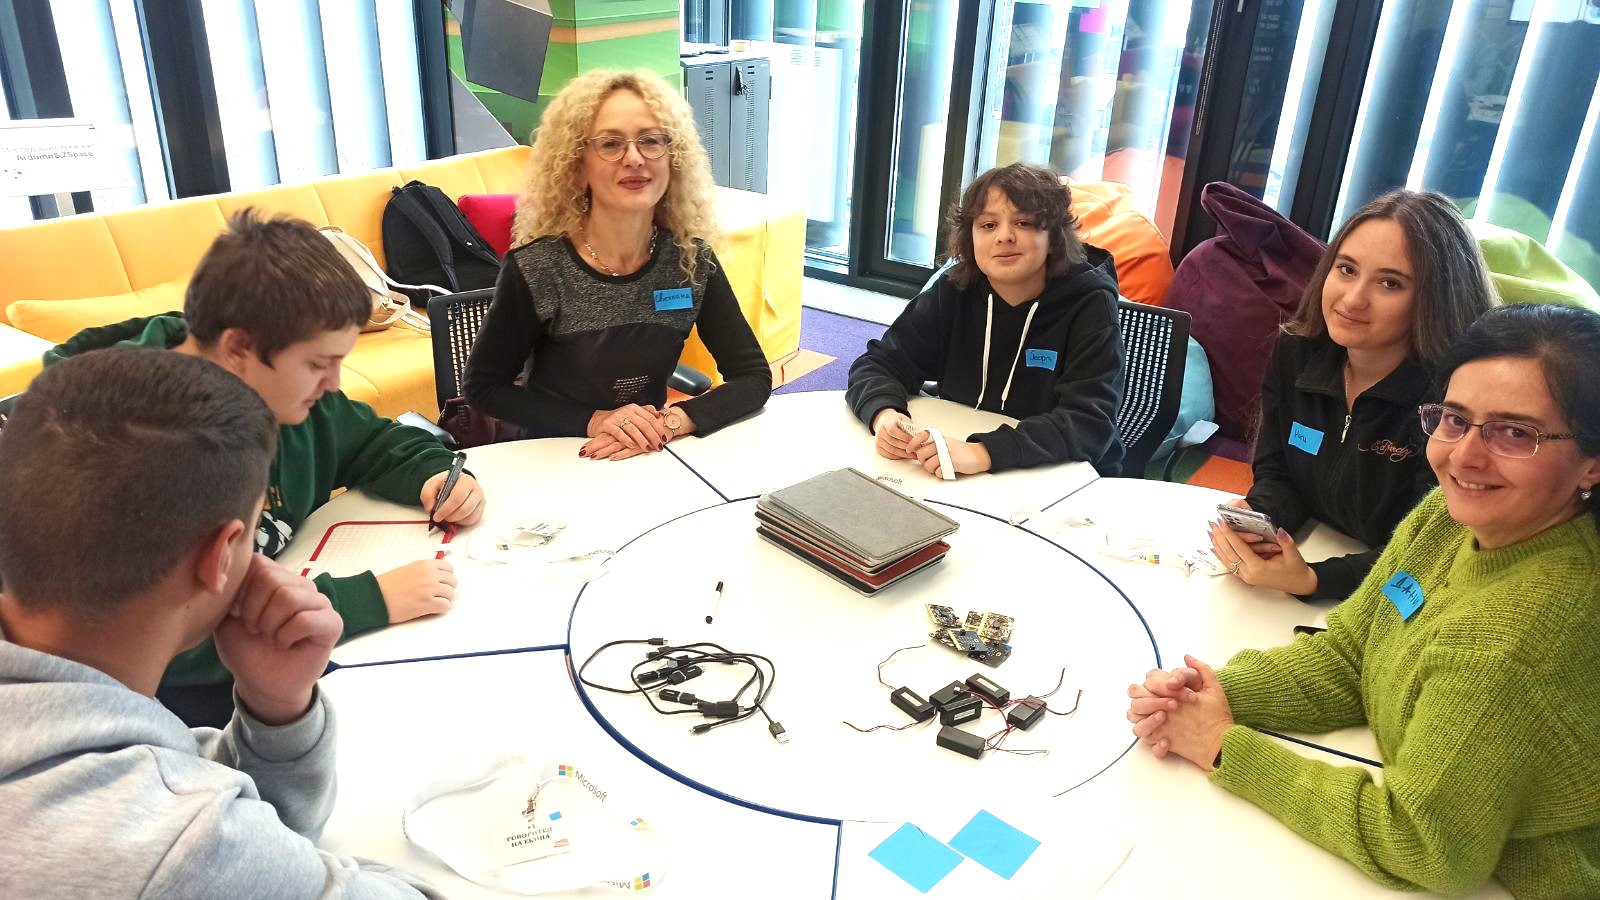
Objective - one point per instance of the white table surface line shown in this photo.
(696, 473)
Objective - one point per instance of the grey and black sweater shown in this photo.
(587, 341)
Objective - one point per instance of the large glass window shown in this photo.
(921, 117)
(1496, 104)
(1098, 91)
(813, 48)
(304, 88)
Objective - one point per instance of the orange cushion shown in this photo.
(1109, 218)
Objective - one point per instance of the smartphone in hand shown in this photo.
(1248, 521)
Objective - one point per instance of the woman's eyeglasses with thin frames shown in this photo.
(611, 147)
(1513, 440)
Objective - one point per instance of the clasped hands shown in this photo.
(896, 438)
(631, 430)
(1182, 711)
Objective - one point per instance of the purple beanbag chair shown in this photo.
(1238, 287)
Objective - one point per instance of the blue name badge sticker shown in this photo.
(1406, 595)
(1305, 438)
(674, 298)
(1041, 359)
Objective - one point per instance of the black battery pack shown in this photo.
(907, 701)
(962, 742)
(962, 709)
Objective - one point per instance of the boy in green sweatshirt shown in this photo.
(274, 303)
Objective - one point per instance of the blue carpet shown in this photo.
(838, 336)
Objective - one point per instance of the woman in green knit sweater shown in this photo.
(1470, 648)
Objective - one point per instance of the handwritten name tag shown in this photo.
(674, 298)
(1304, 438)
(1406, 595)
(1041, 359)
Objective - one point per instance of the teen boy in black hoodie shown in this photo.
(1025, 324)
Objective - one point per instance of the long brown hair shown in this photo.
(1450, 281)
(1033, 190)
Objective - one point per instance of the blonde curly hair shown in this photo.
(551, 200)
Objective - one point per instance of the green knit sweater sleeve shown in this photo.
(377, 455)
(1314, 684)
(1441, 817)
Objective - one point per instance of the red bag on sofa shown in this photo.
(1238, 287)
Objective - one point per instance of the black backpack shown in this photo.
(427, 240)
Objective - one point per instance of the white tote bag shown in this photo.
(388, 304)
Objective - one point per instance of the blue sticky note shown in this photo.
(1041, 359)
(1406, 595)
(1305, 438)
(674, 298)
(915, 856)
(994, 845)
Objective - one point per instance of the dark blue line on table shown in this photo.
(696, 473)
(838, 854)
(334, 667)
(1323, 748)
(1070, 493)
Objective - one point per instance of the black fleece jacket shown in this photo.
(1065, 373)
(1362, 478)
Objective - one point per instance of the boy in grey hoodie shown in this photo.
(129, 488)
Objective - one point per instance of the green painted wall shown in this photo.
(656, 51)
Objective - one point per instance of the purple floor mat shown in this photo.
(838, 336)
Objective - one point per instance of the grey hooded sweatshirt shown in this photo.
(104, 793)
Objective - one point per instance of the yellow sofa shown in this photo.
(62, 275)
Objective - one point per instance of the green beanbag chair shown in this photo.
(1525, 272)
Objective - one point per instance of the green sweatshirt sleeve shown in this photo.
(1441, 818)
(380, 456)
(358, 600)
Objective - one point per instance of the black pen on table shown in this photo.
(449, 485)
(715, 603)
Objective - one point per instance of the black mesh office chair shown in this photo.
(455, 320)
(1155, 346)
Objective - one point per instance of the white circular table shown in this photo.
(826, 641)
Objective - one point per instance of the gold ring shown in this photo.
(1234, 569)
(626, 421)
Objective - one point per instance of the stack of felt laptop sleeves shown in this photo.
(852, 527)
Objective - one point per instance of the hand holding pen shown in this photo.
(453, 497)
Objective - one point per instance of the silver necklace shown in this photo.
(583, 238)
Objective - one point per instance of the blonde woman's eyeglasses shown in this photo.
(612, 148)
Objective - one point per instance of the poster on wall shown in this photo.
(53, 156)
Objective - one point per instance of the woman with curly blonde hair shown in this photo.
(610, 269)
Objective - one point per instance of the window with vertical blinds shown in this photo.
(1495, 104)
(1097, 91)
(304, 88)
